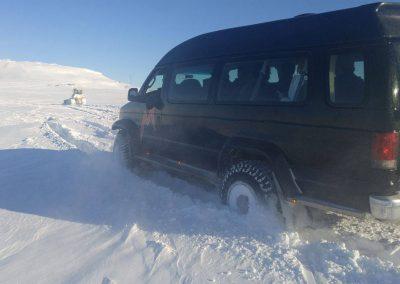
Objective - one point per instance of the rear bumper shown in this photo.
(385, 207)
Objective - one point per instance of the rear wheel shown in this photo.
(122, 149)
(247, 185)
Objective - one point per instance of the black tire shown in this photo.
(257, 174)
(122, 150)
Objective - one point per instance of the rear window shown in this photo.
(264, 81)
(190, 83)
(346, 79)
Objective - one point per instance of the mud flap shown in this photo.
(286, 179)
(296, 216)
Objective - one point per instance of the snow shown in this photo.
(69, 214)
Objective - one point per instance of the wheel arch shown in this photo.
(237, 149)
(128, 125)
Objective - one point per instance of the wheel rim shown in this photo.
(242, 198)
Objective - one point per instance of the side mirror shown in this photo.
(132, 94)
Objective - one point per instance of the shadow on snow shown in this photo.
(74, 186)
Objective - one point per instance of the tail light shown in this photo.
(385, 150)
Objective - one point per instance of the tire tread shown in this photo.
(258, 171)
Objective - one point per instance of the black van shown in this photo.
(305, 108)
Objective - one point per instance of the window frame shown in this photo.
(343, 51)
(264, 57)
(214, 76)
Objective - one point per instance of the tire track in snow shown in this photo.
(100, 130)
(109, 114)
(66, 138)
(55, 139)
(83, 110)
(104, 109)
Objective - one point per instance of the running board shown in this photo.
(325, 205)
(180, 167)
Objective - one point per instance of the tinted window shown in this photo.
(268, 81)
(239, 80)
(346, 79)
(155, 83)
(191, 83)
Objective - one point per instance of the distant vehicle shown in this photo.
(77, 98)
(306, 109)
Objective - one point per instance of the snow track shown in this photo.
(61, 135)
(68, 214)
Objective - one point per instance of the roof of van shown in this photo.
(364, 23)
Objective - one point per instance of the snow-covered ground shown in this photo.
(68, 214)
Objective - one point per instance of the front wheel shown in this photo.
(247, 185)
(122, 150)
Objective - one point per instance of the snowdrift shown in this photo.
(38, 82)
(45, 74)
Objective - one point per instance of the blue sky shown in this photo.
(124, 39)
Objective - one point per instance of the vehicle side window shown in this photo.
(239, 80)
(155, 83)
(263, 82)
(191, 83)
(346, 79)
